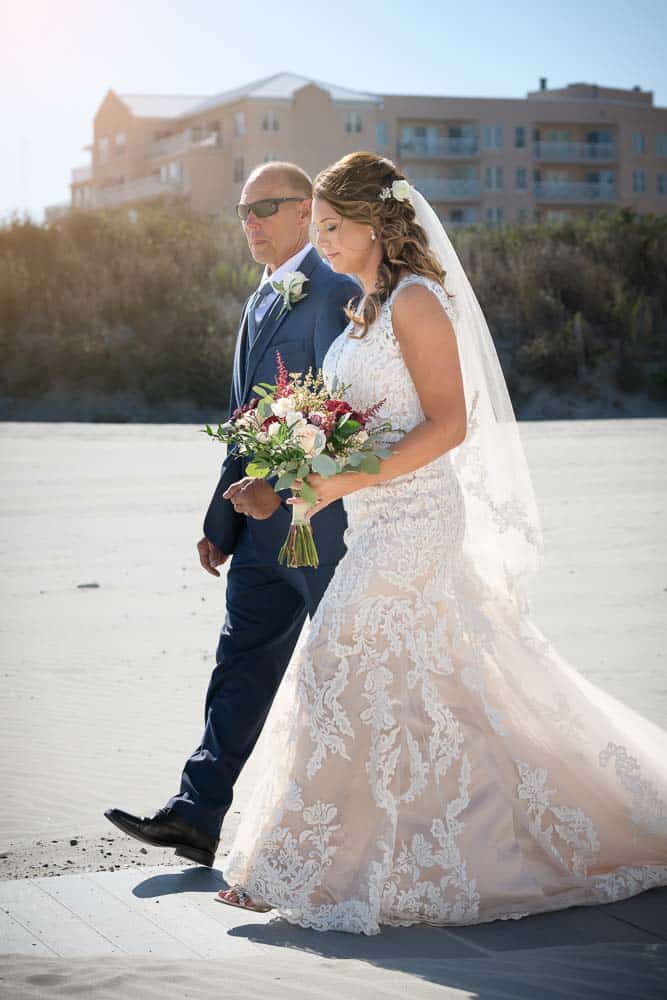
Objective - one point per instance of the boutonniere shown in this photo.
(290, 290)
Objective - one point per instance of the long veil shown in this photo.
(503, 536)
(533, 719)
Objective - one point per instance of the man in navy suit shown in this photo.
(266, 603)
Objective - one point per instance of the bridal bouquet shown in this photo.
(296, 427)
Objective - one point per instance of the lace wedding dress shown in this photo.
(429, 756)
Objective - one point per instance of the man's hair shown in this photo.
(295, 177)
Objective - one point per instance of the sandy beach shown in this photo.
(108, 631)
(109, 625)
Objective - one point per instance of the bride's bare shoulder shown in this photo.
(418, 310)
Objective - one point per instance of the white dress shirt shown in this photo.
(289, 265)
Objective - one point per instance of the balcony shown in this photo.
(446, 189)
(138, 190)
(183, 142)
(80, 175)
(574, 191)
(574, 152)
(439, 149)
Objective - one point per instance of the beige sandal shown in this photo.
(244, 900)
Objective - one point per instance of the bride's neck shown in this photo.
(369, 279)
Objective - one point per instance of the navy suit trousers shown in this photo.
(267, 606)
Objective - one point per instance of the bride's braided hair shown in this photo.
(352, 187)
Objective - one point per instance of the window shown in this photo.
(661, 145)
(493, 178)
(270, 121)
(103, 149)
(598, 135)
(494, 215)
(120, 143)
(239, 123)
(521, 179)
(239, 171)
(638, 142)
(638, 181)
(462, 216)
(381, 134)
(493, 136)
(661, 184)
(520, 136)
(175, 171)
(558, 135)
(522, 215)
(353, 121)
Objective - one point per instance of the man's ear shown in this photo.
(304, 209)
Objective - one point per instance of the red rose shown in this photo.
(338, 406)
(272, 419)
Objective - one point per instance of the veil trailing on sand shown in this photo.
(503, 536)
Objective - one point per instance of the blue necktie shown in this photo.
(259, 295)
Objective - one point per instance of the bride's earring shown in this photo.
(373, 236)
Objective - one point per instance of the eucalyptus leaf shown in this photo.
(324, 465)
(370, 464)
(285, 481)
(356, 458)
(308, 493)
(302, 471)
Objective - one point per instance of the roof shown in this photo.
(160, 105)
(279, 87)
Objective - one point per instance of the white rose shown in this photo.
(274, 428)
(262, 436)
(294, 281)
(362, 435)
(401, 190)
(281, 407)
(311, 439)
(294, 417)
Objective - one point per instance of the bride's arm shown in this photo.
(430, 352)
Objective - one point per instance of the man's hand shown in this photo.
(254, 497)
(210, 556)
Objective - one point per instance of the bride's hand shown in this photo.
(327, 489)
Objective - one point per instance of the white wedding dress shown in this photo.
(429, 756)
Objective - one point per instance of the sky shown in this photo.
(58, 58)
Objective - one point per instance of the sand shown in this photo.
(103, 686)
(108, 632)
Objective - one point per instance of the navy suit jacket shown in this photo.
(303, 336)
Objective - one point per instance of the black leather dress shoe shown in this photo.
(166, 829)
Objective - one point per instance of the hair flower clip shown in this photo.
(400, 190)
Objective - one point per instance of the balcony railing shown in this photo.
(446, 189)
(81, 174)
(575, 152)
(439, 149)
(574, 191)
(174, 145)
(138, 190)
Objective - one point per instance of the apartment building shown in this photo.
(550, 155)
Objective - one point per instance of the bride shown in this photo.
(429, 757)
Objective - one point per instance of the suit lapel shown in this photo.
(238, 371)
(271, 324)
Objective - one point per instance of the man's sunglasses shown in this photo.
(262, 209)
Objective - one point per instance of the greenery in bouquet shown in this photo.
(298, 426)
